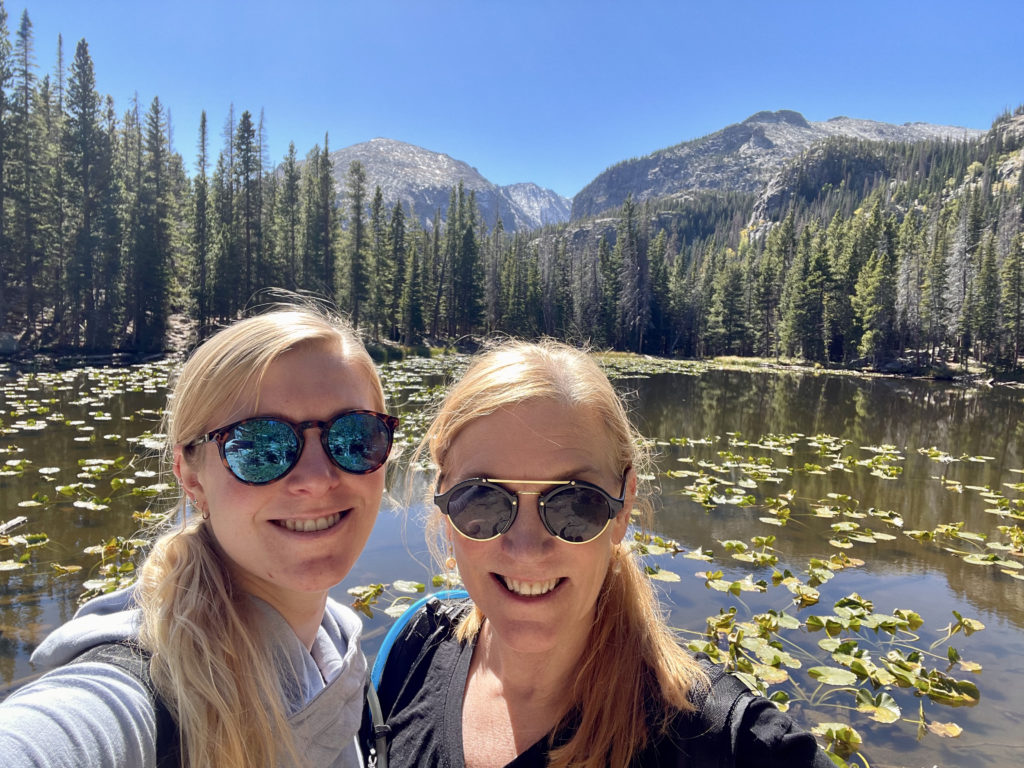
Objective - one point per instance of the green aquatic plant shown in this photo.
(796, 484)
(116, 566)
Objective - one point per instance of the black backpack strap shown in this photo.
(431, 621)
(720, 707)
(134, 660)
(431, 625)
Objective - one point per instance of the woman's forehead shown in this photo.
(309, 376)
(537, 433)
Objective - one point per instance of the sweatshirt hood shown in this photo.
(108, 618)
(116, 616)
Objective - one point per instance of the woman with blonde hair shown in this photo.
(561, 656)
(228, 651)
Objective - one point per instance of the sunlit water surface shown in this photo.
(724, 416)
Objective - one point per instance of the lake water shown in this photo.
(921, 476)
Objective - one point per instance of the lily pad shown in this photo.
(833, 675)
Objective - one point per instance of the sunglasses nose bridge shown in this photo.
(528, 515)
(300, 430)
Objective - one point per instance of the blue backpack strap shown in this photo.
(400, 624)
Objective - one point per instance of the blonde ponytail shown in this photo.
(208, 663)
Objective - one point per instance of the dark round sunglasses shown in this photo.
(262, 449)
(575, 511)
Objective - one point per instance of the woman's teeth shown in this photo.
(318, 524)
(529, 588)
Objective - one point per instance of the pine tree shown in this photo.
(728, 330)
(58, 247)
(289, 217)
(704, 329)
(397, 248)
(380, 270)
(986, 320)
(556, 289)
(659, 282)
(859, 242)
(960, 271)
(227, 299)
(6, 73)
(450, 277)
(267, 266)
(779, 251)
(589, 299)
(611, 270)
(934, 311)
(312, 249)
(110, 289)
(328, 221)
(247, 178)
(153, 260)
(1012, 278)
(492, 276)
(874, 301)
(802, 325)
(319, 227)
(83, 154)
(24, 174)
(633, 309)
(680, 302)
(198, 285)
(910, 280)
(412, 286)
(767, 296)
(835, 303)
(47, 221)
(435, 271)
(358, 274)
(468, 276)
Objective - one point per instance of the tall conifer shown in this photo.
(358, 287)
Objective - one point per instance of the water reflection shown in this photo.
(724, 407)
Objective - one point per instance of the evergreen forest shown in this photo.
(863, 254)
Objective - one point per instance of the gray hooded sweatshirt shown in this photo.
(98, 715)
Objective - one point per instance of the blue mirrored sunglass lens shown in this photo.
(577, 514)
(261, 450)
(479, 512)
(359, 442)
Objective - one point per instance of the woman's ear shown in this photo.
(188, 477)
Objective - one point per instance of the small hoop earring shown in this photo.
(617, 557)
(450, 563)
(195, 504)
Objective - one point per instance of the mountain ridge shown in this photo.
(743, 157)
(423, 179)
(740, 157)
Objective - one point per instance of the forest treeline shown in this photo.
(874, 252)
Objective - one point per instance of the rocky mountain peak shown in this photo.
(423, 180)
(740, 157)
(782, 116)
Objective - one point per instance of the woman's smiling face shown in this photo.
(261, 530)
(536, 591)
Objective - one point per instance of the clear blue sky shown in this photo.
(546, 91)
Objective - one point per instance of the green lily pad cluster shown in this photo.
(88, 404)
(862, 663)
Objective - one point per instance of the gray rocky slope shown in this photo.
(740, 157)
(423, 180)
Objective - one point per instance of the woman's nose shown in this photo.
(314, 471)
(528, 534)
